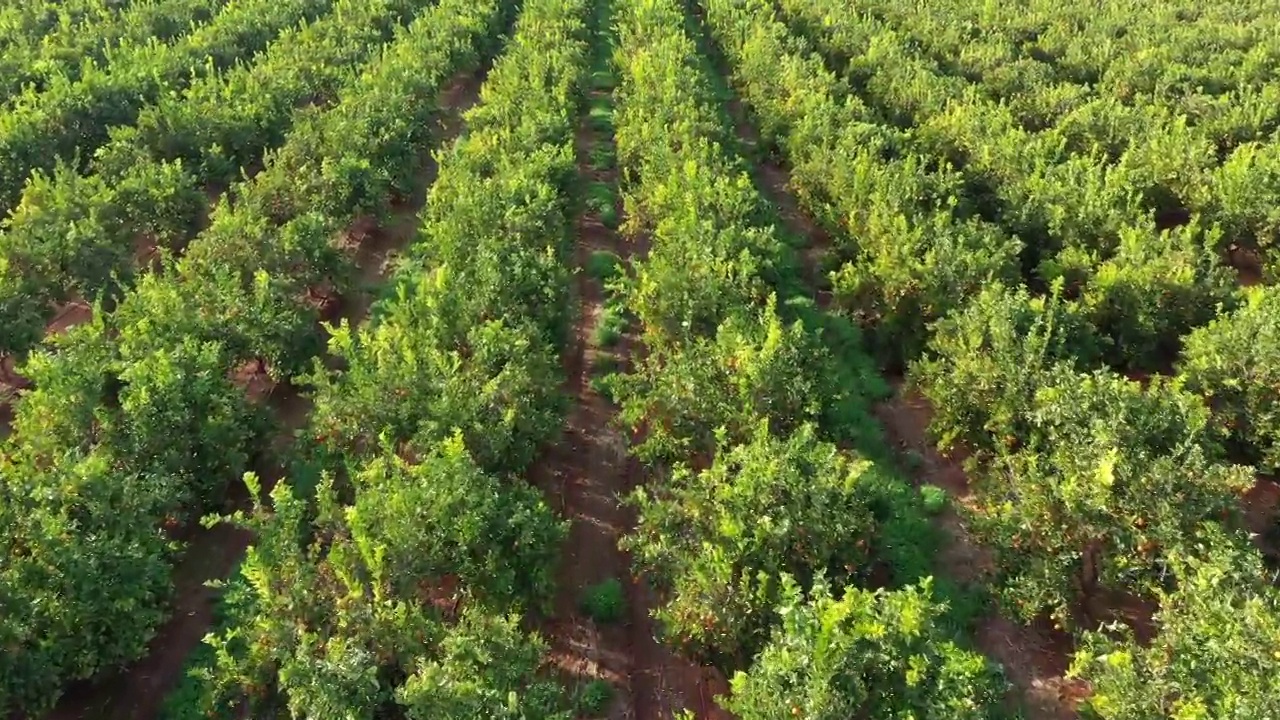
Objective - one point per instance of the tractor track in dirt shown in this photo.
(586, 475)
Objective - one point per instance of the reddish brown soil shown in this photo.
(146, 252)
(139, 691)
(1249, 265)
(1035, 657)
(1262, 513)
(68, 316)
(585, 475)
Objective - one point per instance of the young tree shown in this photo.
(864, 655)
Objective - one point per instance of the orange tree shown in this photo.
(146, 392)
(719, 539)
(1113, 476)
(864, 654)
(340, 623)
(1235, 363)
(403, 597)
(1218, 651)
(985, 362)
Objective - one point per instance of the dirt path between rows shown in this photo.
(1036, 657)
(585, 476)
(139, 691)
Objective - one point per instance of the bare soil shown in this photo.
(585, 476)
(1248, 263)
(1262, 515)
(68, 316)
(139, 691)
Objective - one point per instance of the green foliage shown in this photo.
(441, 517)
(406, 377)
(754, 367)
(935, 499)
(1109, 155)
(1116, 477)
(46, 43)
(1234, 362)
(76, 234)
(719, 538)
(611, 326)
(602, 158)
(408, 583)
(605, 602)
(108, 458)
(196, 697)
(986, 362)
(594, 698)
(603, 370)
(600, 115)
(143, 400)
(337, 604)
(1216, 655)
(73, 116)
(1243, 189)
(909, 258)
(1153, 290)
(486, 668)
(87, 528)
(864, 654)
(604, 266)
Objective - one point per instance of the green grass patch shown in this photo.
(605, 602)
(602, 157)
(602, 78)
(600, 117)
(611, 328)
(604, 266)
(600, 196)
(594, 698)
(935, 499)
(606, 366)
(602, 200)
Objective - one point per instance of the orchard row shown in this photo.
(1041, 215)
